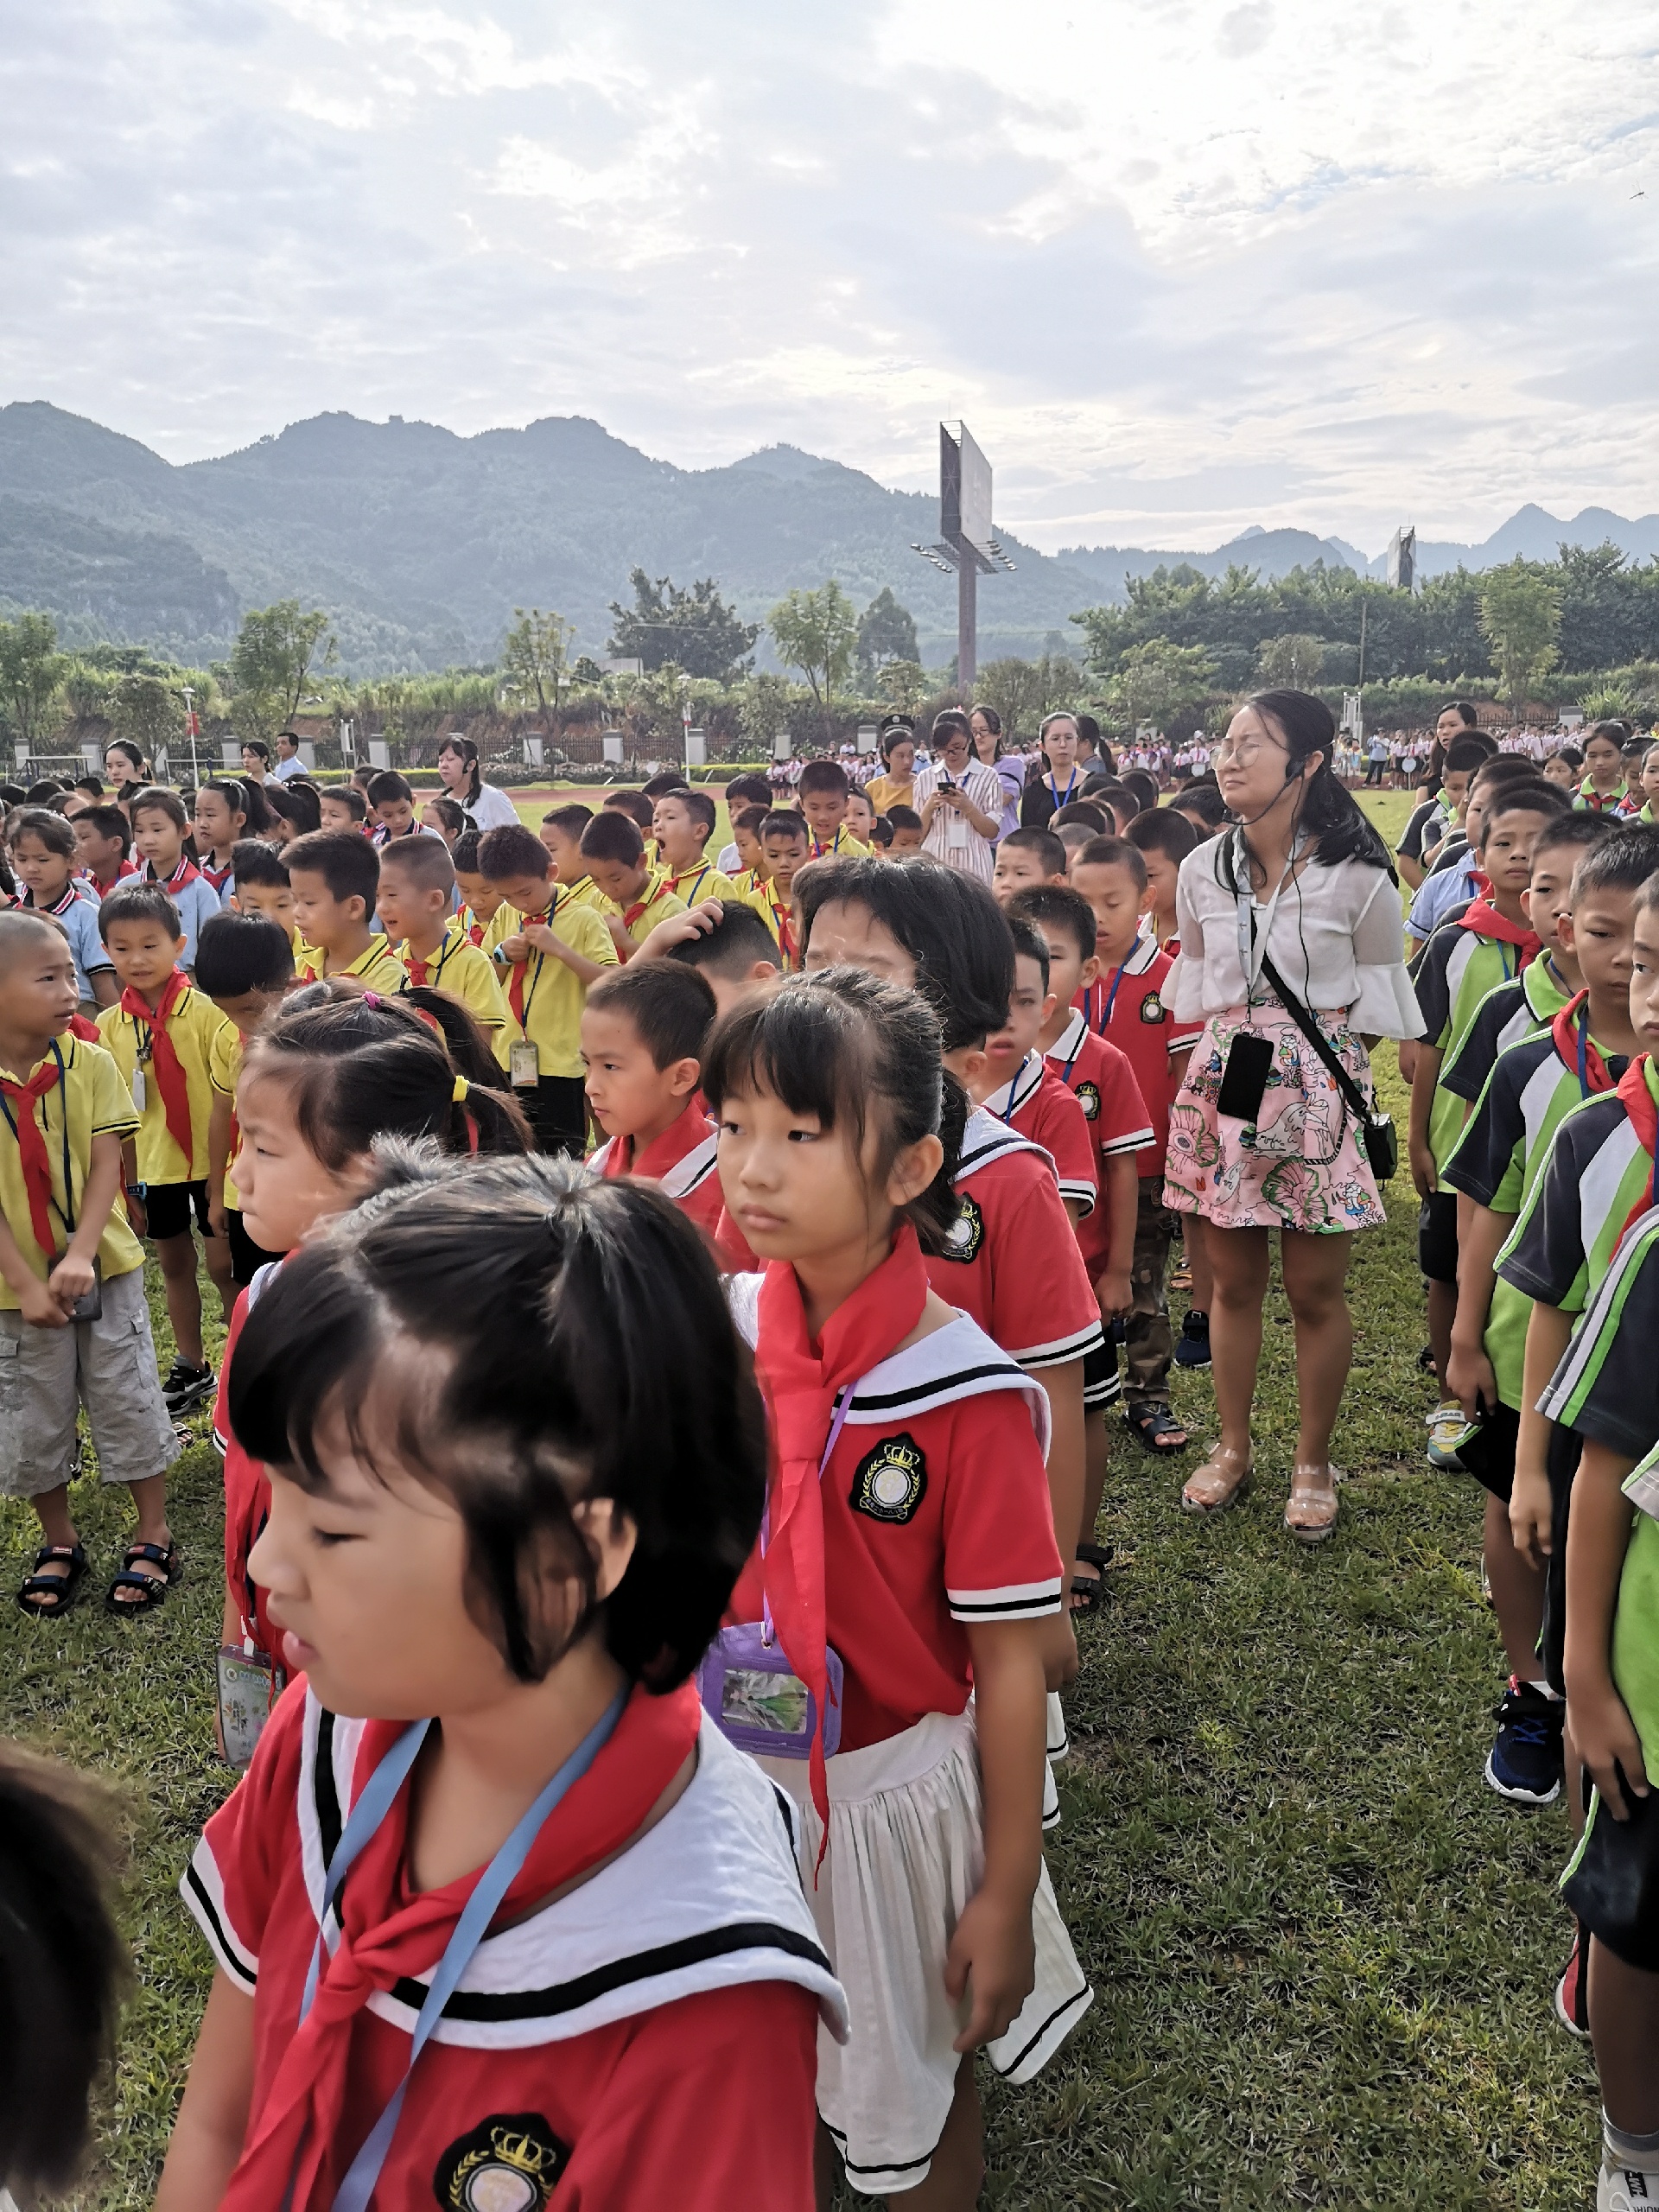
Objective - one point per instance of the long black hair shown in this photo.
(576, 1346)
(468, 752)
(1329, 813)
(947, 922)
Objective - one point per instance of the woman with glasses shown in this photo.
(1294, 905)
(959, 799)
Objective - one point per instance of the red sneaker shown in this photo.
(1571, 2006)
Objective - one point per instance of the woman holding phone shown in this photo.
(1293, 906)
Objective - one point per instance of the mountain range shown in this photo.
(421, 543)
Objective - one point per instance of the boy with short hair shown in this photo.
(159, 1034)
(343, 807)
(1494, 1165)
(245, 965)
(784, 846)
(160, 825)
(63, 1111)
(750, 872)
(1441, 815)
(1025, 859)
(560, 832)
(907, 831)
(683, 822)
(1023, 1091)
(643, 1033)
(482, 898)
(43, 852)
(260, 874)
(1450, 883)
(416, 892)
(391, 803)
(102, 841)
(335, 877)
(550, 946)
(1124, 1004)
(1163, 838)
(635, 894)
(728, 944)
(824, 792)
(1490, 942)
(742, 794)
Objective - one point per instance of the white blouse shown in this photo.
(1335, 937)
(491, 810)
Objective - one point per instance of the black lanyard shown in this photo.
(67, 1211)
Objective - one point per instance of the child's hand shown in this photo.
(541, 939)
(1114, 1291)
(1060, 1650)
(992, 1950)
(216, 1216)
(1606, 1742)
(1469, 1379)
(40, 1307)
(1529, 1514)
(1425, 1180)
(70, 1279)
(514, 949)
(136, 1219)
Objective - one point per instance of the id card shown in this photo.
(524, 1070)
(138, 1089)
(247, 1690)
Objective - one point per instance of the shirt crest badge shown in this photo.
(892, 1482)
(510, 2162)
(1151, 1007)
(966, 1233)
(1088, 1096)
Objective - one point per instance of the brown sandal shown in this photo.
(1228, 1481)
(1308, 1489)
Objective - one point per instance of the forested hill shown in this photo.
(420, 543)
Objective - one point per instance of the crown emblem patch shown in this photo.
(891, 1483)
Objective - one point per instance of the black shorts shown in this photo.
(557, 1108)
(246, 1257)
(1565, 1447)
(1102, 1384)
(168, 1208)
(1437, 1237)
(1612, 1886)
(1490, 1453)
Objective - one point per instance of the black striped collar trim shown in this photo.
(986, 1138)
(959, 1361)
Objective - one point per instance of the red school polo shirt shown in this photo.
(1036, 1102)
(683, 1160)
(1012, 1261)
(1103, 1082)
(1125, 1006)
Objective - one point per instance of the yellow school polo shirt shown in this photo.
(779, 917)
(584, 891)
(377, 965)
(224, 1066)
(656, 903)
(98, 1104)
(693, 885)
(843, 846)
(552, 998)
(458, 966)
(192, 1025)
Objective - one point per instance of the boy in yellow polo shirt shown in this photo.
(417, 887)
(548, 946)
(637, 895)
(66, 1247)
(784, 846)
(683, 822)
(481, 898)
(335, 875)
(561, 828)
(824, 793)
(159, 1033)
(245, 965)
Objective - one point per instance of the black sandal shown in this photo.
(152, 1588)
(36, 1587)
(1157, 1430)
(1092, 1589)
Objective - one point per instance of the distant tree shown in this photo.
(534, 657)
(766, 704)
(588, 673)
(147, 710)
(31, 670)
(902, 683)
(1155, 680)
(815, 631)
(695, 629)
(1521, 616)
(886, 632)
(1295, 659)
(1023, 691)
(275, 652)
(1613, 702)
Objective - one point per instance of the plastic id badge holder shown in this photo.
(749, 1690)
(523, 1068)
(247, 1690)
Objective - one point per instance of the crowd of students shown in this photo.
(673, 1305)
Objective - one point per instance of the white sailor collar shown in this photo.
(986, 1138)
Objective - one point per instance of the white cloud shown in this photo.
(1185, 264)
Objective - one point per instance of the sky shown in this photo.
(1183, 265)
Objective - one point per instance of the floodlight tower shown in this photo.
(1402, 558)
(967, 543)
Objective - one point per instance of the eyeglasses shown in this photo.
(1245, 750)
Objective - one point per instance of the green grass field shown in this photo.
(1322, 1949)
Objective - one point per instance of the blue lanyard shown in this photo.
(480, 1908)
(1503, 956)
(1069, 782)
(1013, 1084)
(1584, 1047)
(1112, 1000)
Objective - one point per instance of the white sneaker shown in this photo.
(1627, 2188)
(1446, 1424)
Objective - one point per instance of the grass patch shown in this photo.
(1322, 1949)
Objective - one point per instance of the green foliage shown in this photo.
(886, 633)
(1295, 659)
(1023, 691)
(767, 702)
(534, 657)
(902, 684)
(148, 710)
(1520, 617)
(31, 670)
(1610, 703)
(271, 662)
(588, 673)
(1154, 680)
(694, 629)
(815, 631)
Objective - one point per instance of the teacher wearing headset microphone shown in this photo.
(1292, 909)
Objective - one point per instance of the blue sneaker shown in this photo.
(1524, 1764)
(1192, 1346)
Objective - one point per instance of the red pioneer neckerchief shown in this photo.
(163, 1056)
(31, 1147)
(1483, 918)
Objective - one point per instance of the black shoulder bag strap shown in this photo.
(1381, 1147)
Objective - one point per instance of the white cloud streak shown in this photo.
(1185, 264)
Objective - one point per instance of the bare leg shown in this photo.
(1315, 1270)
(1624, 2028)
(1238, 1259)
(1442, 1312)
(150, 1497)
(216, 1250)
(958, 2169)
(1517, 1592)
(56, 1527)
(1097, 1455)
(177, 1255)
(1194, 1229)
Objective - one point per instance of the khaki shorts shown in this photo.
(108, 1365)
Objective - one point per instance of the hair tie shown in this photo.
(460, 1090)
(372, 998)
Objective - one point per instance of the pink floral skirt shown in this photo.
(1301, 1164)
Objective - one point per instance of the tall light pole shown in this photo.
(967, 543)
